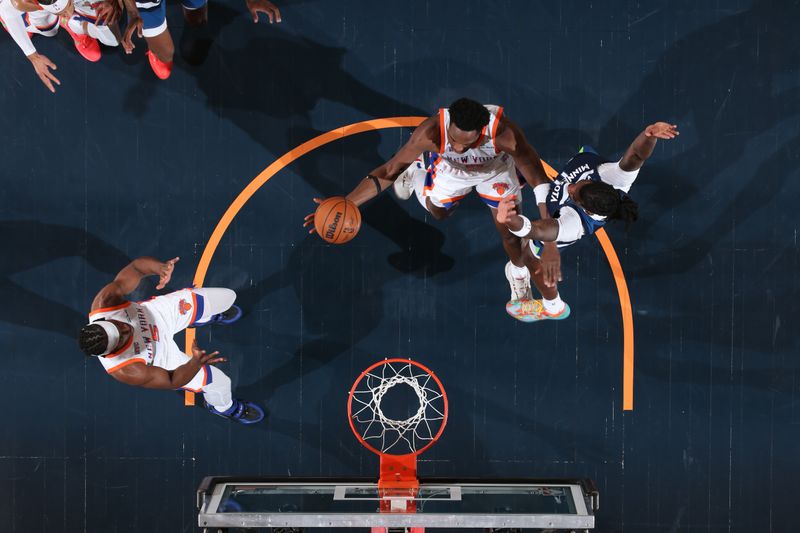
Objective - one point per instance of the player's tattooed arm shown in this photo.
(643, 145)
(424, 138)
(153, 377)
(129, 278)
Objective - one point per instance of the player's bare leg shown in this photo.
(160, 53)
(517, 274)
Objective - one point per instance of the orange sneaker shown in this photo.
(87, 46)
(161, 69)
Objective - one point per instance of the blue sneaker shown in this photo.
(527, 310)
(230, 316)
(241, 411)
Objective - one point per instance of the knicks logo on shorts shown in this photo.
(500, 188)
(184, 306)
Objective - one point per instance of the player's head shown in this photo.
(467, 119)
(99, 338)
(604, 200)
(56, 7)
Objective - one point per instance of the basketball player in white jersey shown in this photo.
(24, 18)
(587, 192)
(471, 146)
(134, 340)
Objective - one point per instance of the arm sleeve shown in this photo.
(612, 174)
(570, 227)
(16, 28)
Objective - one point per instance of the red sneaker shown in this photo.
(161, 69)
(87, 46)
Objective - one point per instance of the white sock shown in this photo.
(218, 392)
(519, 272)
(418, 179)
(554, 306)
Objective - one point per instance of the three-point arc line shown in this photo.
(405, 122)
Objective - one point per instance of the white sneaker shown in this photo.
(404, 184)
(520, 287)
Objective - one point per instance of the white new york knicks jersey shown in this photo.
(146, 345)
(483, 157)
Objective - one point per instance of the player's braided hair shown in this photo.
(92, 339)
(604, 200)
(468, 114)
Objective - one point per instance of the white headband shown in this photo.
(56, 7)
(113, 335)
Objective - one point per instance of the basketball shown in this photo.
(337, 220)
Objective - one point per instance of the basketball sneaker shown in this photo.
(162, 70)
(520, 287)
(241, 411)
(230, 316)
(529, 310)
(403, 186)
(86, 46)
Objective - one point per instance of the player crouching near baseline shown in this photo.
(24, 18)
(134, 340)
(588, 191)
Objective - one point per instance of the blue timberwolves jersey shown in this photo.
(582, 166)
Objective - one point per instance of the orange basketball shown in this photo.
(337, 220)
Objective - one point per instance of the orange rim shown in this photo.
(358, 435)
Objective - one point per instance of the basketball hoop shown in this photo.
(397, 440)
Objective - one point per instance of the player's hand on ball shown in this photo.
(165, 274)
(506, 209)
(309, 219)
(204, 357)
(662, 130)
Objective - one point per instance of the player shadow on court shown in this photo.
(333, 325)
(751, 52)
(275, 94)
(30, 244)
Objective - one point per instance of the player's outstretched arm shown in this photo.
(153, 377)
(129, 278)
(10, 12)
(642, 146)
(424, 138)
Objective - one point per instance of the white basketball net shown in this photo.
(398, 437)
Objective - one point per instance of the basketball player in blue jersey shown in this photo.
(587, 192)
(469, 146)
(134, 340)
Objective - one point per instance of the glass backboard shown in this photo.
(439, 503)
